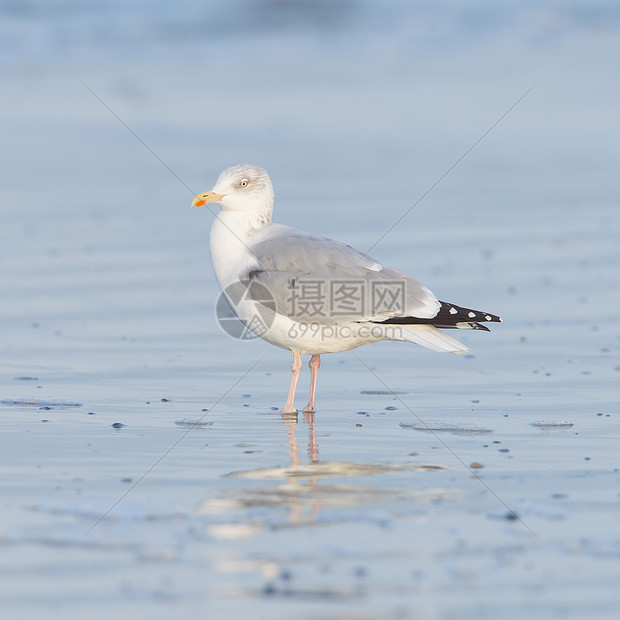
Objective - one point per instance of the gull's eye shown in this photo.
(243, 183)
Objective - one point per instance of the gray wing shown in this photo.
(315, 279)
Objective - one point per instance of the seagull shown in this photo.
(313, 295)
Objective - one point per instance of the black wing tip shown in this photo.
(478, 326)
(449, 316)
(458, 314)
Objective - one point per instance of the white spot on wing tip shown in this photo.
(487, 318)
(453, 311)
(472, 315)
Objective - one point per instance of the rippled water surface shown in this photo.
(145, 469)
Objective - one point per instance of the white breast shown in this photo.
(230, 238)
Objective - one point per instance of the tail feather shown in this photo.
(432, 338)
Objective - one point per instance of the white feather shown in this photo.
(432, 338)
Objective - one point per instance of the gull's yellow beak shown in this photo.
(203, 199)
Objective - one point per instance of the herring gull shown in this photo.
(313, 295)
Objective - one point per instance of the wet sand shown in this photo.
(145, 468)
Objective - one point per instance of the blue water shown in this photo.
(67, 32)
(357, 110)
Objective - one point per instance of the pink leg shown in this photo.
(314, 364)
(296, 369)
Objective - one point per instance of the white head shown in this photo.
(241, 188)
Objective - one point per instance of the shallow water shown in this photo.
(145, 469)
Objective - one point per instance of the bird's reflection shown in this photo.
(291, 420)
(297, 505)
(295, 495)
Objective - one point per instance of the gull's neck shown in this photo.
(244, 223)
(231, 234)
